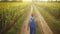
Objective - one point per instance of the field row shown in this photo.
(51, 7)
(12, 16)
(51, 13)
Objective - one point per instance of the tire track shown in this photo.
(25, 29)
(44, 26)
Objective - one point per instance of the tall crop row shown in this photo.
(12, 16)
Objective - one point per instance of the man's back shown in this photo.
(32, 22)
(32, 26)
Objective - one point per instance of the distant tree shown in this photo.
(4, 0)
(17, 0)
(11, 0)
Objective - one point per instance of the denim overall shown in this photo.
(32, 26)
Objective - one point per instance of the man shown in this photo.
(32, 23)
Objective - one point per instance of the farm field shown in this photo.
(51, 13)
(12, 16)
(15, 16)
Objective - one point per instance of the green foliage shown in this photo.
(12, 17)
(51, 7)
(50, 12)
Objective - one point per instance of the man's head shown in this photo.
(32, 14)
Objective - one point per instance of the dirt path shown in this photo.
(44, 26)
(25, 29)
(41, 23)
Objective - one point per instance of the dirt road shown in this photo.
(25, 29)
(41, 23)
(44, 26)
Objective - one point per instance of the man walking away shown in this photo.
(32, 25)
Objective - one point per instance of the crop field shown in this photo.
(15, 16)
(51, 13)
(12, 16)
